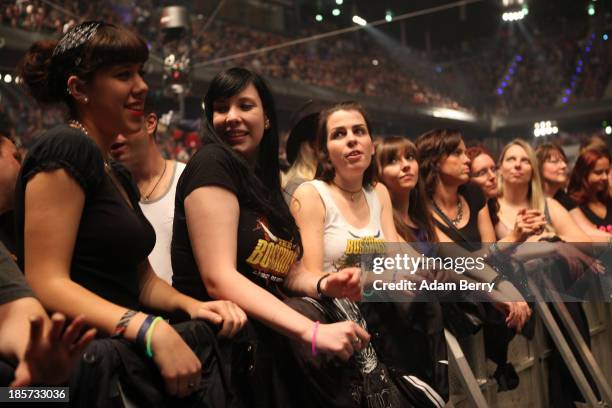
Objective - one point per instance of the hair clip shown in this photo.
(77, 36)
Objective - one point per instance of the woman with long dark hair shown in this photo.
(234, 238)
(81, 235)
(422, 322)
(461, 216)
(398, 170)
(344, 214)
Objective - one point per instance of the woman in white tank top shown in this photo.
(342, 215)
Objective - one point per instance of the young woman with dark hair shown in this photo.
(419, 323)
(588, 188)
(234, 238)
(462, 217)
(81, 235)
(342, 215)
(398, 170)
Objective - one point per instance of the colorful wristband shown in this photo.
(123, 323)
(150, 334)
(142, 332)
(313, 343)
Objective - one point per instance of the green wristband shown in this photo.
(150, 334)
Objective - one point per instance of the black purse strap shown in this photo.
(448, 222)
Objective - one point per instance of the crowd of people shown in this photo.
(222, 282)
(355, 64)
(536, 72)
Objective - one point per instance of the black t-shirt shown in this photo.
(598, 221)
(12, 283)
(112, 238)
(470, 233)
(264, 255)
(562, 197)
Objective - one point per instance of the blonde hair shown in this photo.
(304, 166)
(537, 199)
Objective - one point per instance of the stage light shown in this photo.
(591, 10)
(608, 130)
(339, 2)
(515, 15)
(500, 91)
(388, 16)
(605, 37)
(359, 21)
(545, 128)
(319, 17)
(375, 62)
(336, 12)
(8, 78)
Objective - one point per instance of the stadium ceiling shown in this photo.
(450, 27)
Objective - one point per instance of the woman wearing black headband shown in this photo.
(82, 237)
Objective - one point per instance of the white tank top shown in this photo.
(160, 213)
(340, 239)
(343, 245)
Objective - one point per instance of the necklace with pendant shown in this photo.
(352, 193)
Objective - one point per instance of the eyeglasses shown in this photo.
(484, 172)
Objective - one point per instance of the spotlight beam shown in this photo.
(213, 15)
(62, 9)
(334, 33)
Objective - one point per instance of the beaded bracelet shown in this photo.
(313, 343)
(142, 332)
(123, 323)
(150, 334)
